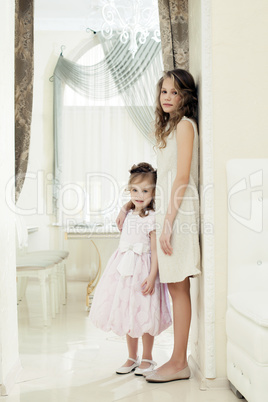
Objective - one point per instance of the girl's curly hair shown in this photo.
(138, 173)
(185, 85)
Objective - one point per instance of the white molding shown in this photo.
(208, 260)
(11, 379)
(205, 384)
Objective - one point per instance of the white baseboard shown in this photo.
(207, 383)
(11, 379)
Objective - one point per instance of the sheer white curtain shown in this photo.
(100, 142)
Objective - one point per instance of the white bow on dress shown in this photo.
(127, 265)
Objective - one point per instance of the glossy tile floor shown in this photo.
(71, 361)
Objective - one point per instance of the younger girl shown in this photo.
(129, 299)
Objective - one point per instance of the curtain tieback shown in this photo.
(127, 263)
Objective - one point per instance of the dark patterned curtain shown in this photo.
(24, 55)
(173, 16)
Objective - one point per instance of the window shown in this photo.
(100, 144)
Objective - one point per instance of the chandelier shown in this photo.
(133, 20)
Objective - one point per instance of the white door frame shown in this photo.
(208, 244)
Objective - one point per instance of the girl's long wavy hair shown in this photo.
(138, 173)
(164, 123)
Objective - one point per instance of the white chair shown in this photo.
(60, 271)
(61, 254)
(44, 264)
(247, 311)
(43, 270)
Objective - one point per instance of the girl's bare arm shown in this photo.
(148, 283)
(122, 215)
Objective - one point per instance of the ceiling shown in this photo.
(67, 14)
(76, 14)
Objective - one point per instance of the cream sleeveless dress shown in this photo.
(185, 259)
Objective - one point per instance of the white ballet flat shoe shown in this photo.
(126, 370)
(183, 374)
(149, 369)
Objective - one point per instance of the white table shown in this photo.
(91, 232)
(32, 229)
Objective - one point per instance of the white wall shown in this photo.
(240, 127)
(9, 357)
(238, 51)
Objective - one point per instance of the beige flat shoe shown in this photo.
(183, 374)
(148, 373)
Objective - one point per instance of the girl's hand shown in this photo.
(120, 219)
(148, 285)
(165, 239)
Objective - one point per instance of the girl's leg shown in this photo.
(132, 345)
(147, 342)
(180, 294)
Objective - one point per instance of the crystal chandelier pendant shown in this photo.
(133, 20)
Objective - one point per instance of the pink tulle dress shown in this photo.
(118, 304)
